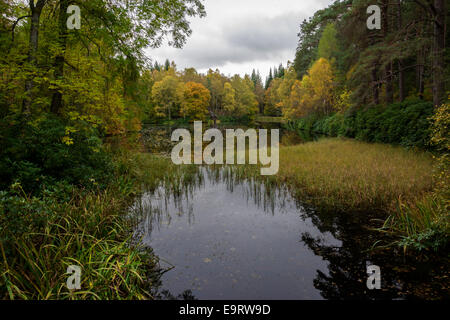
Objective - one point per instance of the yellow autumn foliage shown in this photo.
(195, 101)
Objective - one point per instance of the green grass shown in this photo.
(421, 225)
(348, 175)
(88, 229)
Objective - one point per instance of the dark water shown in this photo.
(156, 139)
(224, 244)
(226, 237)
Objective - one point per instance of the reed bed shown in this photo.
(348, 175)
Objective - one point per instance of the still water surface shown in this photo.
(229, 241)
(225, 237)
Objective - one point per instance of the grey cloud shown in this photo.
(269, 34)
(243, 41)
(219, 55)
(238, 35)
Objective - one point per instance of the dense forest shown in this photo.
(78, 74)
(64, 92)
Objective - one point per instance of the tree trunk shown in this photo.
(376, 94)
(438, 52)
(388, 68)
(389, 84)
(36, 11)
(420, 72)
(421, 80)
(401, 73)
(401, 81)
(57, 102)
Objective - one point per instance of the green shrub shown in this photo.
(40, 235)
(39, 155)
(19, 215)
(405, 123)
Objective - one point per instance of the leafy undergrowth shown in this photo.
(41, 235)
(423, 225)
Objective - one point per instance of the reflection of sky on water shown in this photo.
(232, 240)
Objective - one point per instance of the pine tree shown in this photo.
(167, 65)
(281, 71)
(269, 79)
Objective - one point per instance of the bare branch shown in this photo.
(15, 24)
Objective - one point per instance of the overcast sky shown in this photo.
(237, 36)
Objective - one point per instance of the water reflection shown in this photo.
(222, 236)
(155, 209)
(230, 238)
(403, 277)
(156, 139)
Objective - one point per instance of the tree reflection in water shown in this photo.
(347, 250)
(402, 277)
